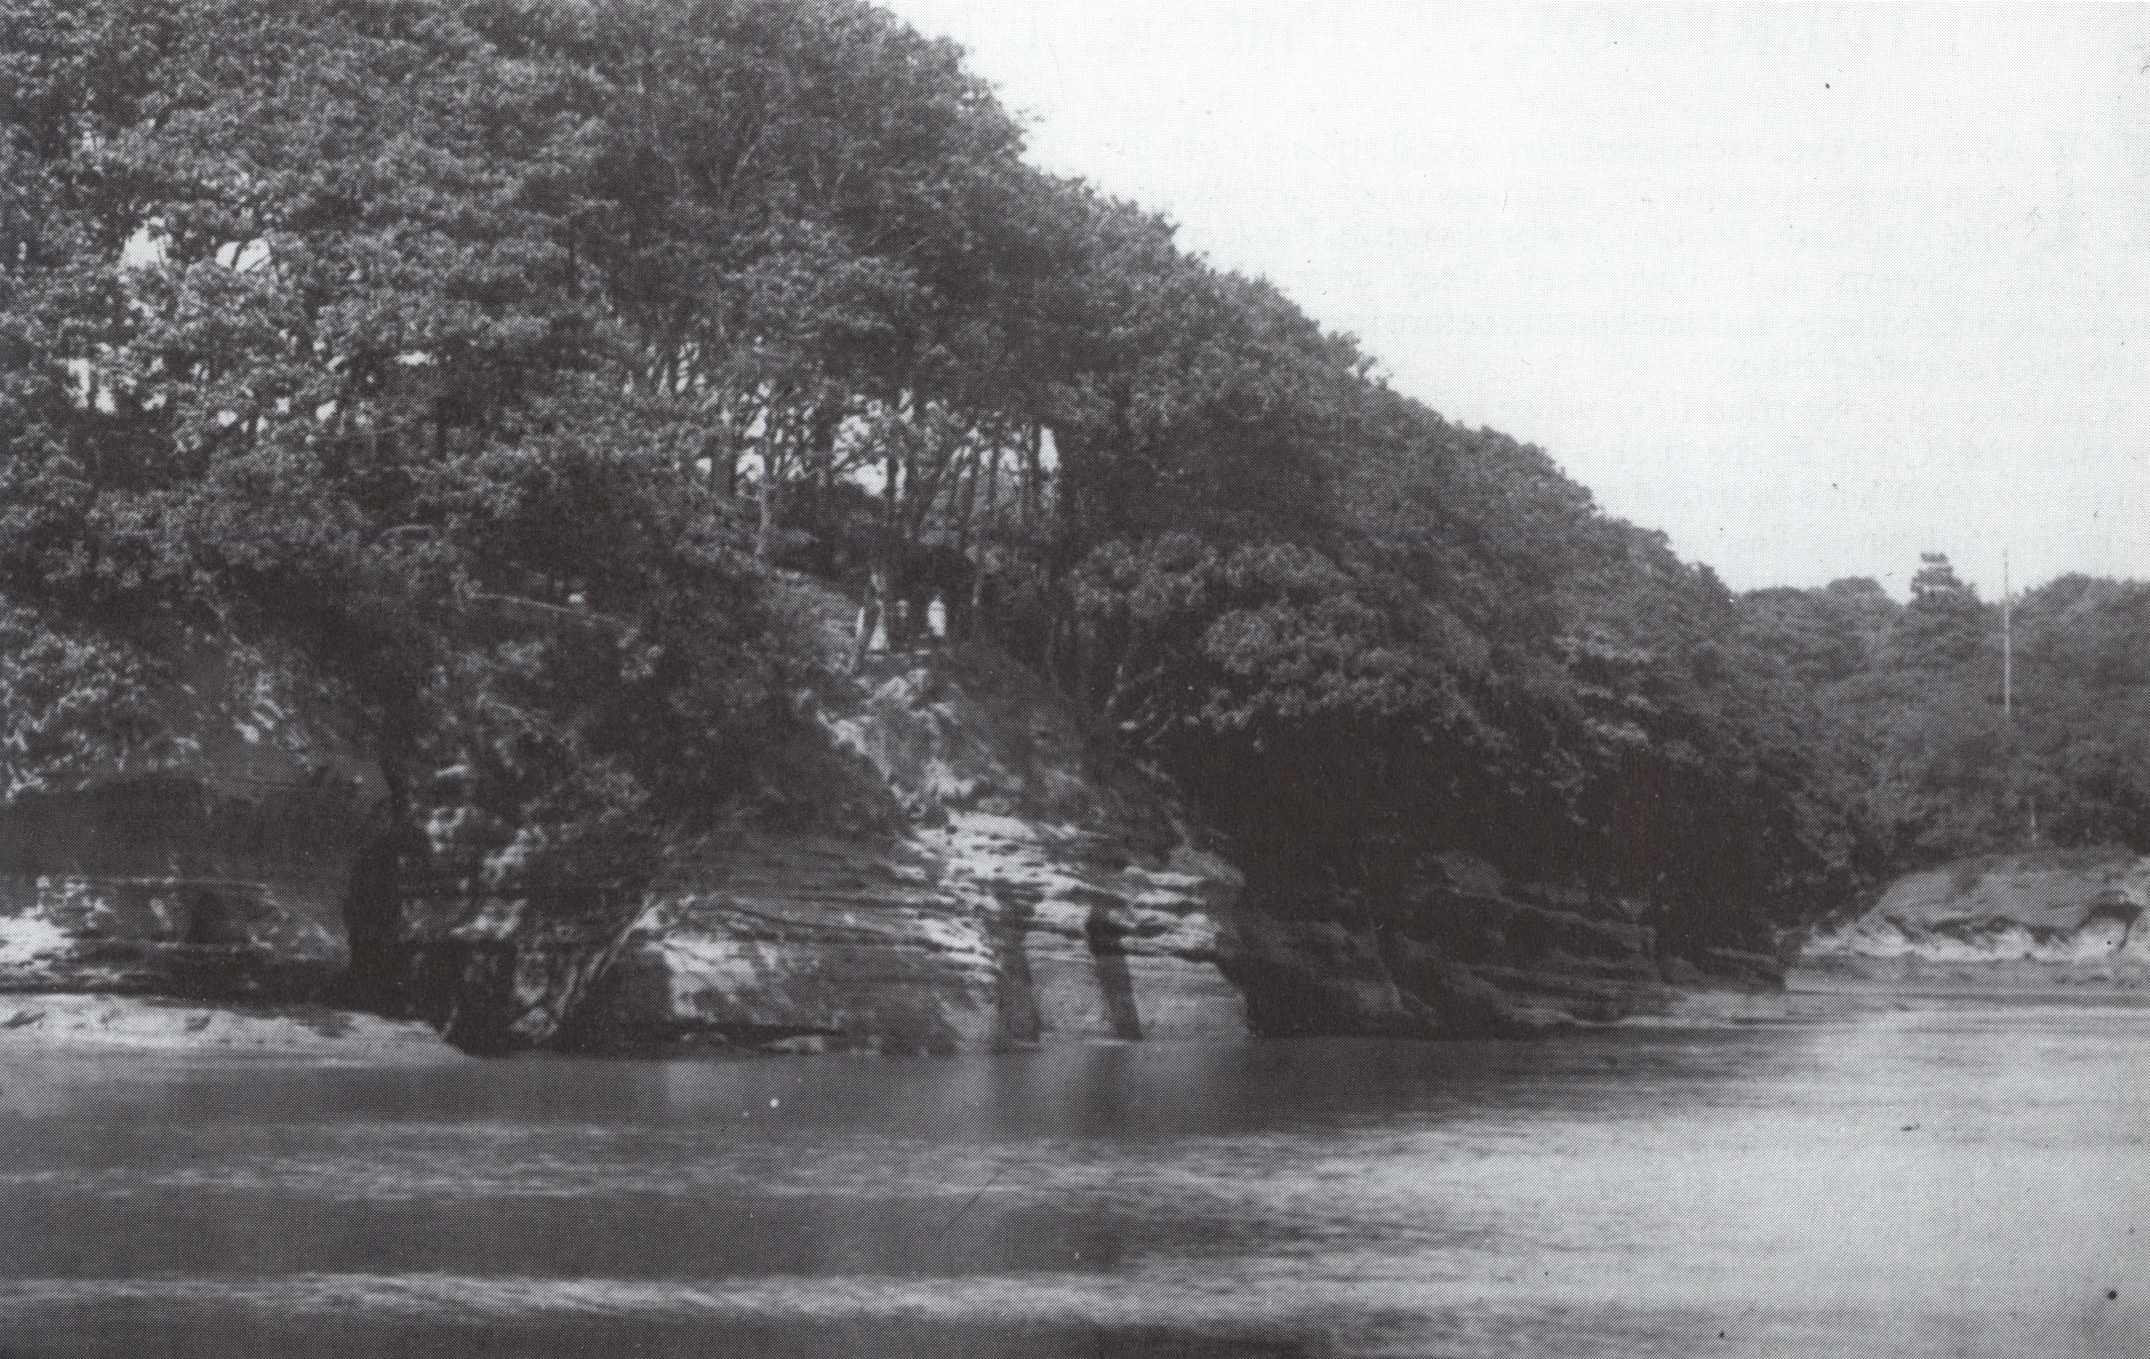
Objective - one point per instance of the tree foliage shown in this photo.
(1914, 731)
(296, 341)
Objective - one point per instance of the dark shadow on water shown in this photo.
(1009, 934)
(182, 1336)
(1114, 982)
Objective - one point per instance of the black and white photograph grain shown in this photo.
(1074, 679)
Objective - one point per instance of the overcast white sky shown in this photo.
(1812, 290)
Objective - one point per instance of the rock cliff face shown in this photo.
(941, 859)
(208, 853)
(1016, 887)
(1469, 954)
(2066, 915)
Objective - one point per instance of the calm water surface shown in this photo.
(1924, 1177)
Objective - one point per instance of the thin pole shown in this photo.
(2008, 647)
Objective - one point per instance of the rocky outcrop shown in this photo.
(967, 871)
(207, 850)
(48, 1024)
(986, 933)
(497, 975)
(2068, 915)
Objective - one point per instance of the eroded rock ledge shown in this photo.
(207, 851)
(2061, 915)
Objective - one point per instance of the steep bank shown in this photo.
(2063, 915)
(942, 856)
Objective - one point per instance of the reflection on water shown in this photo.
(1935, 1178)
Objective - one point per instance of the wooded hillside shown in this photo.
(1951, 732)
(493, 352)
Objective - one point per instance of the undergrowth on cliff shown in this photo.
(71, 703)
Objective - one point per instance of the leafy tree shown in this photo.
(1945, 624)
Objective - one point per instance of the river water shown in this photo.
(1864, 1176)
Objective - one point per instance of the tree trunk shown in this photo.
(992, 510)
(966, 501)
(765, 539)
(1033, 450)
(870, 617)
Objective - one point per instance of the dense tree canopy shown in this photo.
(1916, 737)
(492, 352)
